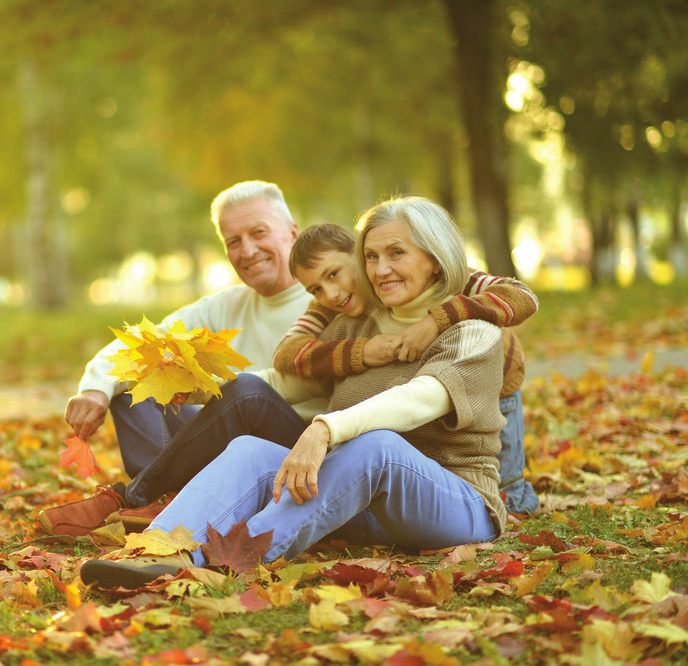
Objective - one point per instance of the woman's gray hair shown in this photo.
(248, 191)
(431, 228)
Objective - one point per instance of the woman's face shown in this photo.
(397, 268)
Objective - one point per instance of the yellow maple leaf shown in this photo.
(647, 362)
(338, 593)
(526, 584)
(664, 630)
(161, 363)
(325, 616)
(157, 542)
(657, 589)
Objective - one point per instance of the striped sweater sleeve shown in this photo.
(300, 352)
(498, 300)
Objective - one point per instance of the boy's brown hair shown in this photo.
(314, 241)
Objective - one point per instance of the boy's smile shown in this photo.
(332, 281)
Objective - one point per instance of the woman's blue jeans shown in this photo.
(163, 450)
(378, 479)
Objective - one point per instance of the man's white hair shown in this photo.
(248, 191)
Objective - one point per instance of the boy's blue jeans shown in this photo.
(163, 450)
(400, 497)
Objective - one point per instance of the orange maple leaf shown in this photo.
(79, 452)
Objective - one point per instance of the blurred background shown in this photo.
(555, 132)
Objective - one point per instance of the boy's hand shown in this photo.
(381, 349)
(299, 470)
(417, 338)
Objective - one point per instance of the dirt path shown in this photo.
(576, 364)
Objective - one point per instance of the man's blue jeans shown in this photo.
(162, 452)
(248, 406)
(520, 496)
(407, 500)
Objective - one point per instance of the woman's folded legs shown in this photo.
(408, 500)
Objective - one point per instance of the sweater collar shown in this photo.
(418, 308)
(284, 296)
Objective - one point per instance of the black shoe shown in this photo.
(130, 573)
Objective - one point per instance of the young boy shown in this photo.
(322, 260)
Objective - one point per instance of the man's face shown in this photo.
(258, 242)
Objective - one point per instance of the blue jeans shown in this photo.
(163, 451)
(405, 499)
(145, 429)
(520, 496)
(248, 406)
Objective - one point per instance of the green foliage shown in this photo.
(57, 345)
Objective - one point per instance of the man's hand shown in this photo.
(381, 349)
(86, 412)
(299, 470)
(417, 338)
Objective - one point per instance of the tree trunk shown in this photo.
(472, 23)
(601, 221)
(678, 254)
(46, 252)
(633, 212)
(446, 185)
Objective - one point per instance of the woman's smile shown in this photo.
(397, 267)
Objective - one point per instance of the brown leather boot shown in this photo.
(137, 519)
(81, 518)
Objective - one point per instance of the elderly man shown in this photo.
(257, 230)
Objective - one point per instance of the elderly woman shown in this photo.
(407, 451)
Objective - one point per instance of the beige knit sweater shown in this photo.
(467, 360)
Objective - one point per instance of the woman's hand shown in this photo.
(381, 349)
(417, 338)
(299, 470)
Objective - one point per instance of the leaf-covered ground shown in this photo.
(599, 575)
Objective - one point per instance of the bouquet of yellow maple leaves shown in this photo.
(166, 364)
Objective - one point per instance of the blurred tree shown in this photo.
(617, 74)
(481, 78)
(155, 107)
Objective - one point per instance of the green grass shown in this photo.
(55, 346)
(595, 320)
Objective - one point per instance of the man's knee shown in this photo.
(244, 381)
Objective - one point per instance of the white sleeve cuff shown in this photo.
(401, 408)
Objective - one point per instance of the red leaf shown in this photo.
(372, 581)
(252, 601)
(545, 538)
(203, 623)
(196, 654)
(79, 452)
(403, 658)
(237, 550)
(343, 574)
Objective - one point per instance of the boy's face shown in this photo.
(332, 281)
